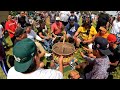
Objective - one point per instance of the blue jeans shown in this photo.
(48, 44)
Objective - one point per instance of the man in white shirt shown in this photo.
(64, 15)
(33, 36)
(116, 25)
(27, 63)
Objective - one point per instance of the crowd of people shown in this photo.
(34, 33)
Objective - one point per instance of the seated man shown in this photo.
(84, 32)
(27, 63)
(57, 28)
(42, 32)
(33, 36)
(71, 28)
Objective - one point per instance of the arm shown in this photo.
(40, 34)
(36, 36)
(115, 63)
(90, 60)
(90, 40)
(7, 28)
(60, 64)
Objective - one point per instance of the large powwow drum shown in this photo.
(66, 49)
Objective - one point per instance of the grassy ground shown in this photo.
(66, 70)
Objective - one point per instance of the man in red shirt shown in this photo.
(57, 28)
(11, 26)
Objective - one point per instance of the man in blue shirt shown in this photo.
(71, 28)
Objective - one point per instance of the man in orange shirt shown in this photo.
(102, 33)
(11, 26)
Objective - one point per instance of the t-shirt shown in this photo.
(1, 27)
(116, 27)
(83, 32)
(116, 54)
(71, 29)
(11, 25)
(32, 35)
(104, 36)
(38, 74)
(22, 21)
(64, 15)
(57, 29)
(100, 67)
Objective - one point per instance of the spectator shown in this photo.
(72, 16)
(103, 19)
(116, 26)
(27, 63)
(11, 26)
(64, 15)
(20, 34)
(3, 60)
(22, 19)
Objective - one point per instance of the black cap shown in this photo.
(102, 45)
(19, 31)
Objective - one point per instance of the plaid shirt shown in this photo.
(100, 68)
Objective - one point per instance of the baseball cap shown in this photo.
(112, 38)
(57, 18)
(24, 52)
(72, 18)
(19, 31)
(102, 45)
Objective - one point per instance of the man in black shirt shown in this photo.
(22, 19)
(115, 49)
(103, 19)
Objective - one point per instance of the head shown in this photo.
(26, 56)
(74, 74)
(57, 20)
(88, 19)
(72, 13)
(28, 28)
(22, 13)
(102, 31)
(9, 17)
(112, 39)
(86, 25)
(100, 47)
(20, 33)
(118, 17)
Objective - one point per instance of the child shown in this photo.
(74, 75)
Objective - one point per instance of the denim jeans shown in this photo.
(48, 44)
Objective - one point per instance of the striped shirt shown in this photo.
(40, 73)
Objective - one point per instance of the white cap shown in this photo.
(58, 18)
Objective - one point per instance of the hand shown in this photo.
(82, 54)
(84, 42)
(60, 59)
(42, 40)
